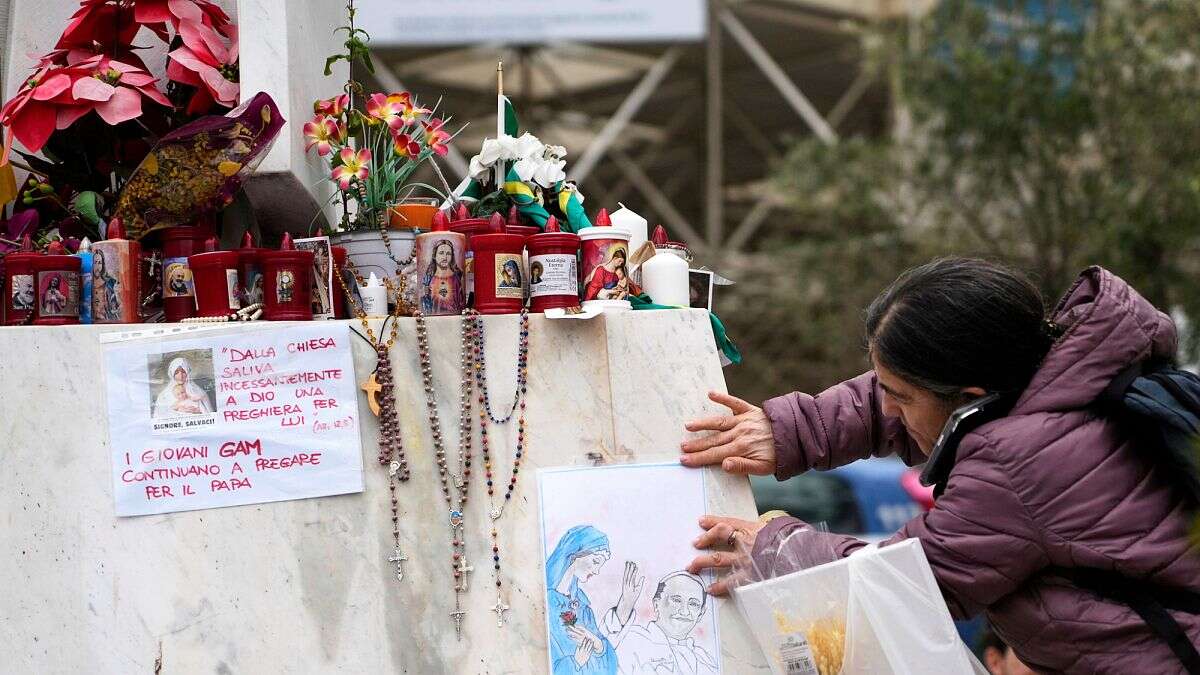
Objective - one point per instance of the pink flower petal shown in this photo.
(151, 11)
(92, 89)
(155, 95)
(68, 114)
(137, 79)
(177, 72)
(204, 41)
(191, 60)
(185, 10)
(51, 87)
(346, 155)
(126, 104)
(224, 91)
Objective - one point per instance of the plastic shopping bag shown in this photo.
(878, 611)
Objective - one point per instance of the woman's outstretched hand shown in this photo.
(742, 443)
(734, 538)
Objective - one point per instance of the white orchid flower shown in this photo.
(550, 172)
(554, 152)
(528, 145)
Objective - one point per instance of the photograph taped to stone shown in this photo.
(181, 383)
(618, 596)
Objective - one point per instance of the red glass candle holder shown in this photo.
(57, 283)
(179, 289)
(499, 273)
(553, 269)
(287, 285)
(216, 279)
(20, 287)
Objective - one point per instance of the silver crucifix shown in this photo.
(465, 570)
(457, 615)
(398, 557)
(499, 608)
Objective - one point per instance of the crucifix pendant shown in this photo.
(464, 571)
(398, 558)
(372, 389)
(457, 616)
(499, 608)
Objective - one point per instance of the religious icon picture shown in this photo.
(617, 599)
(24, 292)
(441, 276)
(177, 279)
(323, 281)
(181, 383)
(510, 282)
(607, 276)
(58, 293)
(285, 286)
(254, 294)
(111, 292)
(535, 273)
(700, 289)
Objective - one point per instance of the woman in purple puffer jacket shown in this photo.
(1052, 485)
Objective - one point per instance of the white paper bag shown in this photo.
(895, 620)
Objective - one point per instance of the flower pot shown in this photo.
(366, 251)
(413, 215)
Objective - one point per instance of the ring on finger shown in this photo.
(732, 540)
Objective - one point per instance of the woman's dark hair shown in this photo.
(960, 322)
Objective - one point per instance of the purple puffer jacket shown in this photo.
(1051, 485)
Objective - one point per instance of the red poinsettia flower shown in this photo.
(176, 12)
(99, 22)
(112, 88)
(204, 62)
(30, 115)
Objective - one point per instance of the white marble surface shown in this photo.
(304, 586)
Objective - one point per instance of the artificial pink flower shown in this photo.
(333, 107)
(388, 109)
(99, 22)
(355, 165)
(30, 115)
(436, 136)
(176, 12)
(112, 88)
(204, 62)
(413, 113)
(405, 146)
(323, 132)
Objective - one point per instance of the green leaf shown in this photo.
(88, 204)
(330, 61)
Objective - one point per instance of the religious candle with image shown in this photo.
(114, 281)
(57, 289)
(441, 271)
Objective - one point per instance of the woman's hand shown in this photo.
(588, 642)
(734, 535)
(743, 442)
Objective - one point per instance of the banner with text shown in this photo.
(205, 421)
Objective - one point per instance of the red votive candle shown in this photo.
(20, 284)
(215, 274)
(287, 283)
(499, 270)
(179, 289)
(553, 268)
(57, 282)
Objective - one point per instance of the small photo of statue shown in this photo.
(59, 293)
(535, 273)
(510, 282)
(285, 286)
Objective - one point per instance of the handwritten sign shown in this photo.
(205, 421)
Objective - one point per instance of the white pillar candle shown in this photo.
(637, 226)
(374, 297)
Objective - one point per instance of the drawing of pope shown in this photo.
(664, 645)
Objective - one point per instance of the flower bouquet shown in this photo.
(94, 112)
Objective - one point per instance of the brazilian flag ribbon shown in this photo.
(726, 345)
(527, 202)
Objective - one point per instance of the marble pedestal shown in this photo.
(304, 586)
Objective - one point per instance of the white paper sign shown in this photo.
(204, 421)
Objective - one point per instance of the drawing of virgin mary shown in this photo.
(577, 644)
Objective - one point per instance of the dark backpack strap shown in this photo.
(1151, 604)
